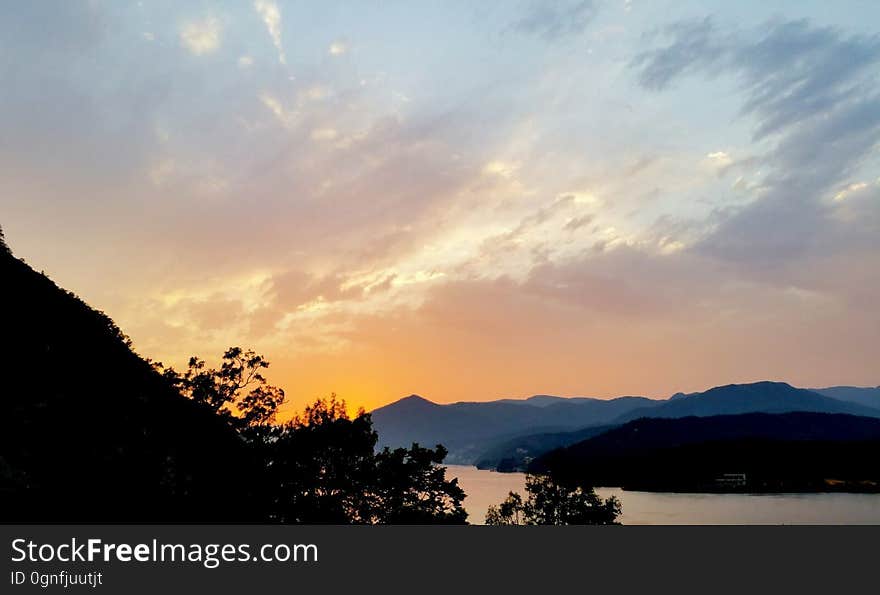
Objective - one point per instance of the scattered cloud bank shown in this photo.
(710, 212)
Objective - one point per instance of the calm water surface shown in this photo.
(484, 488)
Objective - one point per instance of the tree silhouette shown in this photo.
(411, 488)
(554, 503)
(509, 512)
(237, 385)
(321, 466)
(318, 466)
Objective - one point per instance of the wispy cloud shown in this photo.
(849, 190)
(693, 45)
(271, 15)
(201, 37)
(555, 20)
(811, 92)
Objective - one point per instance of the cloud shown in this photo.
(681, 321)
(562, 211)
(694, 45)
(500, 168)
(324, 134)
(337, 48)
(551, 224)
(295, 288)
(214, 312)
(719, 159)
(273, 104)
(201, 37)
(718, 162)
(576, 223)
(787, 70)
(555, 20)
(271, 15)
(812, 96)
(850, 189)
(317, 92)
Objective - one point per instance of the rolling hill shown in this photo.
(516, 454)
(801, 451)
(765, 397)
(509, 430)
(869, 397)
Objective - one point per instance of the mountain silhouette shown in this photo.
(765, 397)
(802, 451)
(869, 397)
(468, 429)
(89, 431)
(516, 454)
(770, 397)
(487, 433)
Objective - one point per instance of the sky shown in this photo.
(463, 200)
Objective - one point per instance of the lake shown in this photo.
(484, 488)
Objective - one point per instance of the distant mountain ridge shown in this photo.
(467, 429)
(510, 428)
(545, 400)
(756, 397)
(870, 397)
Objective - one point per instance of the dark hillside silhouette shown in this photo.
(757, 452)
(517, 453)
(88, 430)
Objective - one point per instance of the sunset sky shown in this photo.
(464, 200)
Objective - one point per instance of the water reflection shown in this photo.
(485, 488)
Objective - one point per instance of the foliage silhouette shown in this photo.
(554, 503)
(509, 512)
(238, 384)
(323, 467)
